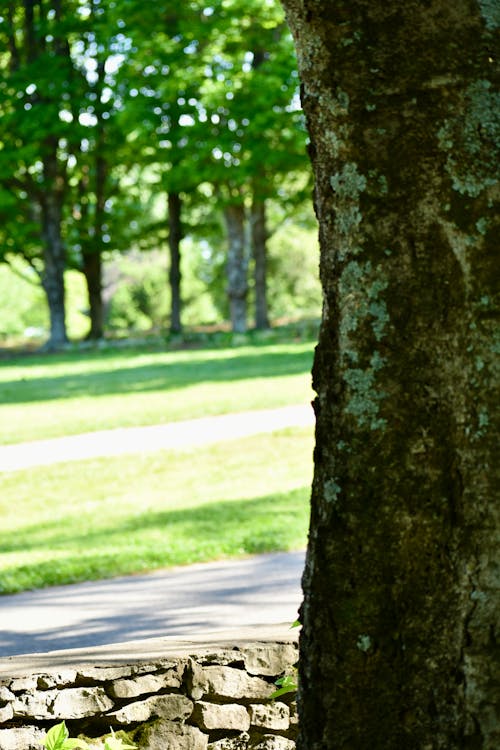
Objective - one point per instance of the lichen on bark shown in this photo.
(399, 642)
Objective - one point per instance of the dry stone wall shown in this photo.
(192, 697)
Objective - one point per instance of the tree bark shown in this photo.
(92, 270)
(399, 645)
(175, 276)
(259, 251)
(93, 247)
(237, 266)
(54, 255)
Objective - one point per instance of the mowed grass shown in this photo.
(101, 518)
(66, 394)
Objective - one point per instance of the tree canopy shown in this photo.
(127, 124)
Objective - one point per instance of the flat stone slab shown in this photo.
(149, 650)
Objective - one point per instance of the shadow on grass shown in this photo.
(156, 377)
(152, 540)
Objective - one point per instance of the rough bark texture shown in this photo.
(237, 266)
(174, 242)
(259, 251)
(399, 647)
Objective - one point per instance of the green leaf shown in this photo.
(56, 737)
(287, 684)
(72, 742)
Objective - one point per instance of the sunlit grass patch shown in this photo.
(96, 519)
(69, 394)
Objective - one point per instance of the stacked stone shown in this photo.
(217, 700)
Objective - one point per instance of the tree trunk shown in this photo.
(92, 270)
(259, 250)
(174, 242)
(237, 264)
(399, 645)
(92, 253)
(54, 256)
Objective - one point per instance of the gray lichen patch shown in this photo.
(361, 300)
(331, 491)
(364, 319)
(470, 137)
(364, 397)
(490, 11)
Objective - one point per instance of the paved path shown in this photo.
(199, 599)
(176, 435)
(195, 600)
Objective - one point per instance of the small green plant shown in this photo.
(286, 684)
(57, 738)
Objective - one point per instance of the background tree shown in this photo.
(399, 647)
(160, 85)
(97, 217)
(37, 78)
(249, 96)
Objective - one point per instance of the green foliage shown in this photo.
(57, 738)
(107, 107)
(294, 288)
(22, 302)
(23, 309)
(286, 684)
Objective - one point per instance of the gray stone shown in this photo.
(76, 703)
(209, 716)
(224, 657)
(271, 716)
(270, 659)
(166, 735)
(274, 742)
(6, 713)
(55, 679)
(20, 684)
(5, 695)
(142, 685)
(231, 743)
(228, 682)
(35, 705)
(105, 674)
(146, 683)
(169, 707)
(21, 738)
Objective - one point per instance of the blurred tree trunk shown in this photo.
(399, 646)
(174, 242)
(237, 266)
(259, 251)
(92, 252)
(92, 270)
(54, 256)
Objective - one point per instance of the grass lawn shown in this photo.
(95, 519)
(74, 392)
